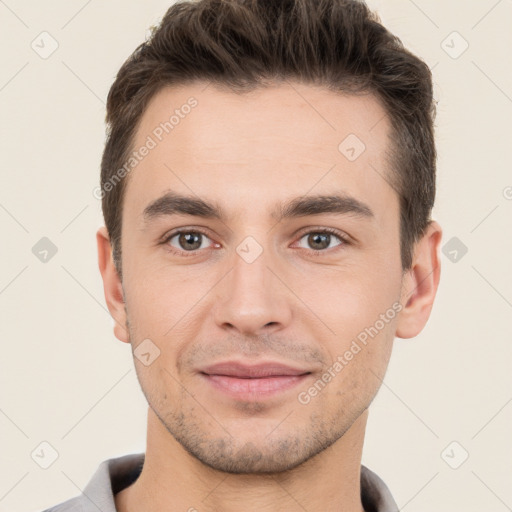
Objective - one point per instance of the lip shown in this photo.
(260, 370)
(253, 382)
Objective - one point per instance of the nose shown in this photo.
(252, 299)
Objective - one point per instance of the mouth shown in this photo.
(253, 382)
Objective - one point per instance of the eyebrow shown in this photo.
(172, 203)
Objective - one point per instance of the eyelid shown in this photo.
(184, 229)
(171, 234)
(325, 229)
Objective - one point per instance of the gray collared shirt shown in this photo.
(113, 475)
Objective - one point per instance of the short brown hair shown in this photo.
(339, 44)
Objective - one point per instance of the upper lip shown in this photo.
(244, 370)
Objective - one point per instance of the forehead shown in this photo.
(271, 143)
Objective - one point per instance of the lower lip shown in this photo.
(254, 389)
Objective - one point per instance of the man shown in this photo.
(267, 184)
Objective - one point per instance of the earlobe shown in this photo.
(112, 285)
(420, 283)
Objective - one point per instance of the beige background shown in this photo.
(66, 380)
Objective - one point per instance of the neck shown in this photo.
(172, 479)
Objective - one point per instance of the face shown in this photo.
(295, 298)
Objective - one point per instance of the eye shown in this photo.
(321, 240)
(186, 241)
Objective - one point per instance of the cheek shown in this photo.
(359, 366)
(360, 317)
(159, 299)
(348, 302)
(159, 383)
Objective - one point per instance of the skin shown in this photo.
(246, 154)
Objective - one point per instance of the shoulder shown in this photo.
(71, 505)
(111, 476)
(375, 494)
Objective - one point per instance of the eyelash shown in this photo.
(342, 237)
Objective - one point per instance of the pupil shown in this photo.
(190, 240)
(318, 238)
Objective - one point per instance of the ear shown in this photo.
(419, 284)
(112, 285)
